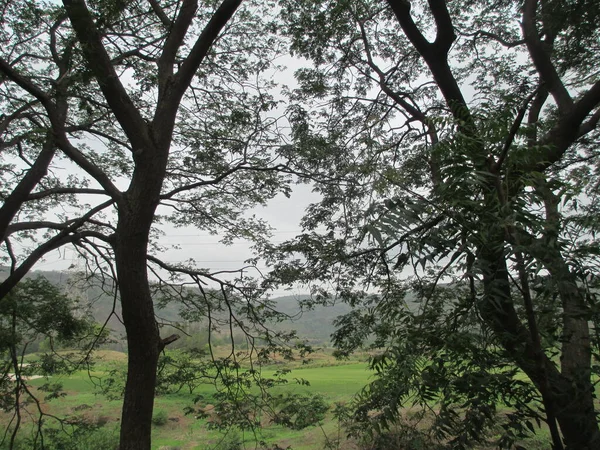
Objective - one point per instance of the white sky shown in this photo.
(283, 214)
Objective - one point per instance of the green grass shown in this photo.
(335, 383)
(334, 380)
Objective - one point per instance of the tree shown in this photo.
(33, 310)
(459, 140)
(158, 111)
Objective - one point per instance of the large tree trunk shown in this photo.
(136, 213)
(143, 339)
(568, 396)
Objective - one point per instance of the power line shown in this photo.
(216, 235)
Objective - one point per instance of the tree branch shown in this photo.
(21, 192)
(568, 129)
(590, 125)
(513, 132)
(36, 225)
(174, 40)
(99, 62)
(534, 114)
(92, 169)
(167, 109)
(160, 13)
(436, 56)
(26, 84)
(541, 59)
(495, 37)
(222, 176)
(401, 9)
(445, 35)
(64, 190)
(6, 120)
(63, 237)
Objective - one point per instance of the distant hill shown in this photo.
(316, 324)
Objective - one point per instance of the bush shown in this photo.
(231, 441)
(160, 418)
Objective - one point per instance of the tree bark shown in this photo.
(136, 211)
(143, 339)
(568, 393)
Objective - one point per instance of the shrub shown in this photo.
(231, 441)
(160, 418)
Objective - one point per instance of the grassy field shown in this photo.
(334, 381)
(173, 429)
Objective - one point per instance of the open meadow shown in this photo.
(82, 398)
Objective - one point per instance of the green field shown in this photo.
(334, 381)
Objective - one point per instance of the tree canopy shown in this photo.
(454, 146)
(120, 116)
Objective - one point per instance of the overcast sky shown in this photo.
(284, 215)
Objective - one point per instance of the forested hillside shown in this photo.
(312, 324)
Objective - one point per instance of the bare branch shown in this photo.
(160, 13)
(99, 62)
(541, 59)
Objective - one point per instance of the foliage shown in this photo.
(36, 307)
(179, 369)
(33, 310)
(230, 441)
(457, 183)
(453, 141)
(160, 418)
(119, 117)
(72, 436)
(300, 411)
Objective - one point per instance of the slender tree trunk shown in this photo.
(143, 339)
(136, 213)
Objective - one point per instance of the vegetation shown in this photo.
(97, 417)
(454, 146)
(160, 111)
(455, 143)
